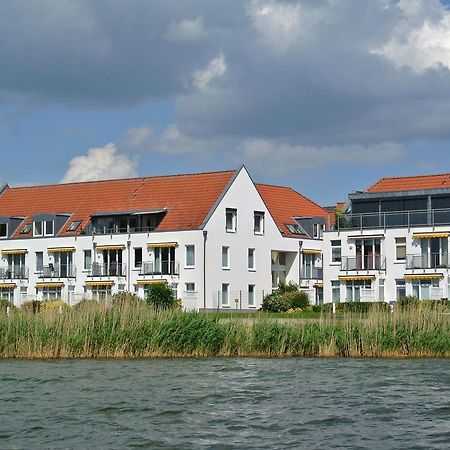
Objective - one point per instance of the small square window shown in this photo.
(190, 287)
(74, 225)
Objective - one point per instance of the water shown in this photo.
(225, 404)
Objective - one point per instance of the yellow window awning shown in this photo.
(357, 278)
(17, 251)
(318, 285)
(425, 276)
(430, 235)
(44, 285)
(61, 249)
(144, 282)
(99, 283)
(162, 244)
(7, 286)
(110, 247)
(311, 252)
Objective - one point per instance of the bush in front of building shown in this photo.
(287, 296)
(160, 296)
(125, 299)
(4, 305)
(53, 305)
(355, 307)
(32, 306)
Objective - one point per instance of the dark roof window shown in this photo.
(74, 225)
(26, 229)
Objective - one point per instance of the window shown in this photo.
(225, 257)
(190, 287)
(258, 222)
(39, 261)
(336, 291)
(7, 294)
(251, 259)
(190, 255)
(37, 229)
(51, 293)
(400, 287)
(26, 229)
(49, 229)
(230, 220)
(138, 257)
(336, 251)
(381, 291)
(356, 288)
(74, 225)
(87, 260)
(317, 231)
(251, 295)
(400, 249)
(3, 230)
(295, 228)
(225, 300)
(422, 289)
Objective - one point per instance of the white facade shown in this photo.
(226, 264)
(397, 262)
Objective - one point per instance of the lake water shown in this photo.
(225, 404)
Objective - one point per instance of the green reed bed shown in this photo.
(138, 331)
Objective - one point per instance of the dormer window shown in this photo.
(3, 230)
(74, 225)
(26, 229)
(43, 228)
(317, 231)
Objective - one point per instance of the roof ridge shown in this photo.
(124, 179)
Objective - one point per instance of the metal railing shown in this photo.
(366, 262)
(108, 270)
(160, 268)
(394, 219)
(427, 261)
(57, 271)
(99, 230)
(311, 273)
(14, 273)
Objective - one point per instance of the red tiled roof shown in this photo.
(395, 184)
(188, 199)
(284, 204)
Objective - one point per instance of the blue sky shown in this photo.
(324, 96)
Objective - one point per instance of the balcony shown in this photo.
(363, 263)
(160, 268)
(58, 271)
(107, 270)
(312, 273)
(432, 261)
(14, 273)
(394, 219)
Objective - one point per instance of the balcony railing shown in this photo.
(108, 270)
(58, 271)
(14, 273)
(312, 273)
(160, 268)
(394, 219)
(432, 261)
(361, 263)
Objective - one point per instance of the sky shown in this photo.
(325, 96)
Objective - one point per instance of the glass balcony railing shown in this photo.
(160, 268)
(394, 219)
(312, 273)
(367, 262)
(427, 261)
(57, 271)
(108, 270)
(14, 273)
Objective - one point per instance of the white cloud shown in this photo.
(422, 39)
(138, 136)
(216, 69)
(99, 164)
(263, 153)
(187, 30)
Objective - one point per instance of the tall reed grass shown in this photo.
(138, 331)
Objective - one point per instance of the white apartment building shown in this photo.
(218, 239)
(391, 243)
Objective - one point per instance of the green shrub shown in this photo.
(297, 299)
(4, 304)
(160, 296)
(407, 301)
(285, 297)
(356, 307)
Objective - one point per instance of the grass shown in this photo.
(138, 331)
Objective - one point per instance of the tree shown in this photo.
(160, 296)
